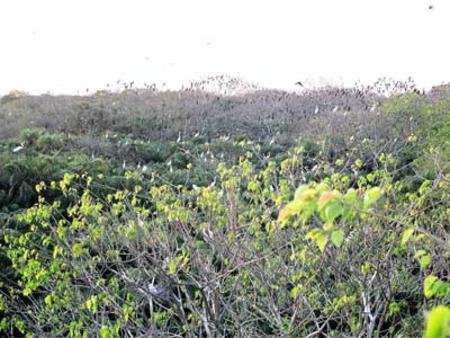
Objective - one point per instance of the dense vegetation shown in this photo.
(153, 213)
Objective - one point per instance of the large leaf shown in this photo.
(372, 196)
(332, 211)
(337, 237)
(438, 323)
(319, 236)
(291, 209)
(322, 241)
(407, 235)
(325, 198)
(432, 286)
(300, 190)
(428, 286)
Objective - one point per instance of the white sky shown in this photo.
(63, 46)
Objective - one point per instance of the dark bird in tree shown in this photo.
(430, 7)
(299, 83)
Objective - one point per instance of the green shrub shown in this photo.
(140, 225)
(328, 257)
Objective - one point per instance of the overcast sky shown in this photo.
(65, 46)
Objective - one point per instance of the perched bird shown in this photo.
(431, 7)
(159, 292)
(213, 183)
(18, 148)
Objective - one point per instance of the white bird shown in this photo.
(213, 183)
(158, 292)
(179, 138)
(316, 110)
(335, 109)
(17, 149)
(208, 234)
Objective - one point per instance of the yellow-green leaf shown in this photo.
(435, 287)
(77, 249)
(299, 191)
(173, 266)
(337, 237)
(438, 323)
(407, 235)
(428, 284)
(322, 241)
(313, 234)
(332, 211)
(291, 209)
(372, 196)
(425, 261)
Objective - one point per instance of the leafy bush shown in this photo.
(337, 260)
(170, 214)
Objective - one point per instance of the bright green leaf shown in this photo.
(438, 323)
(322, 241)
(424, 261)
(332, 211)
(313, 234)
(432, 286)
(372, 196)
(173, 266)
(77, 249)
(428, 289)
(105, 332)
(407, 235)
(337, 237)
